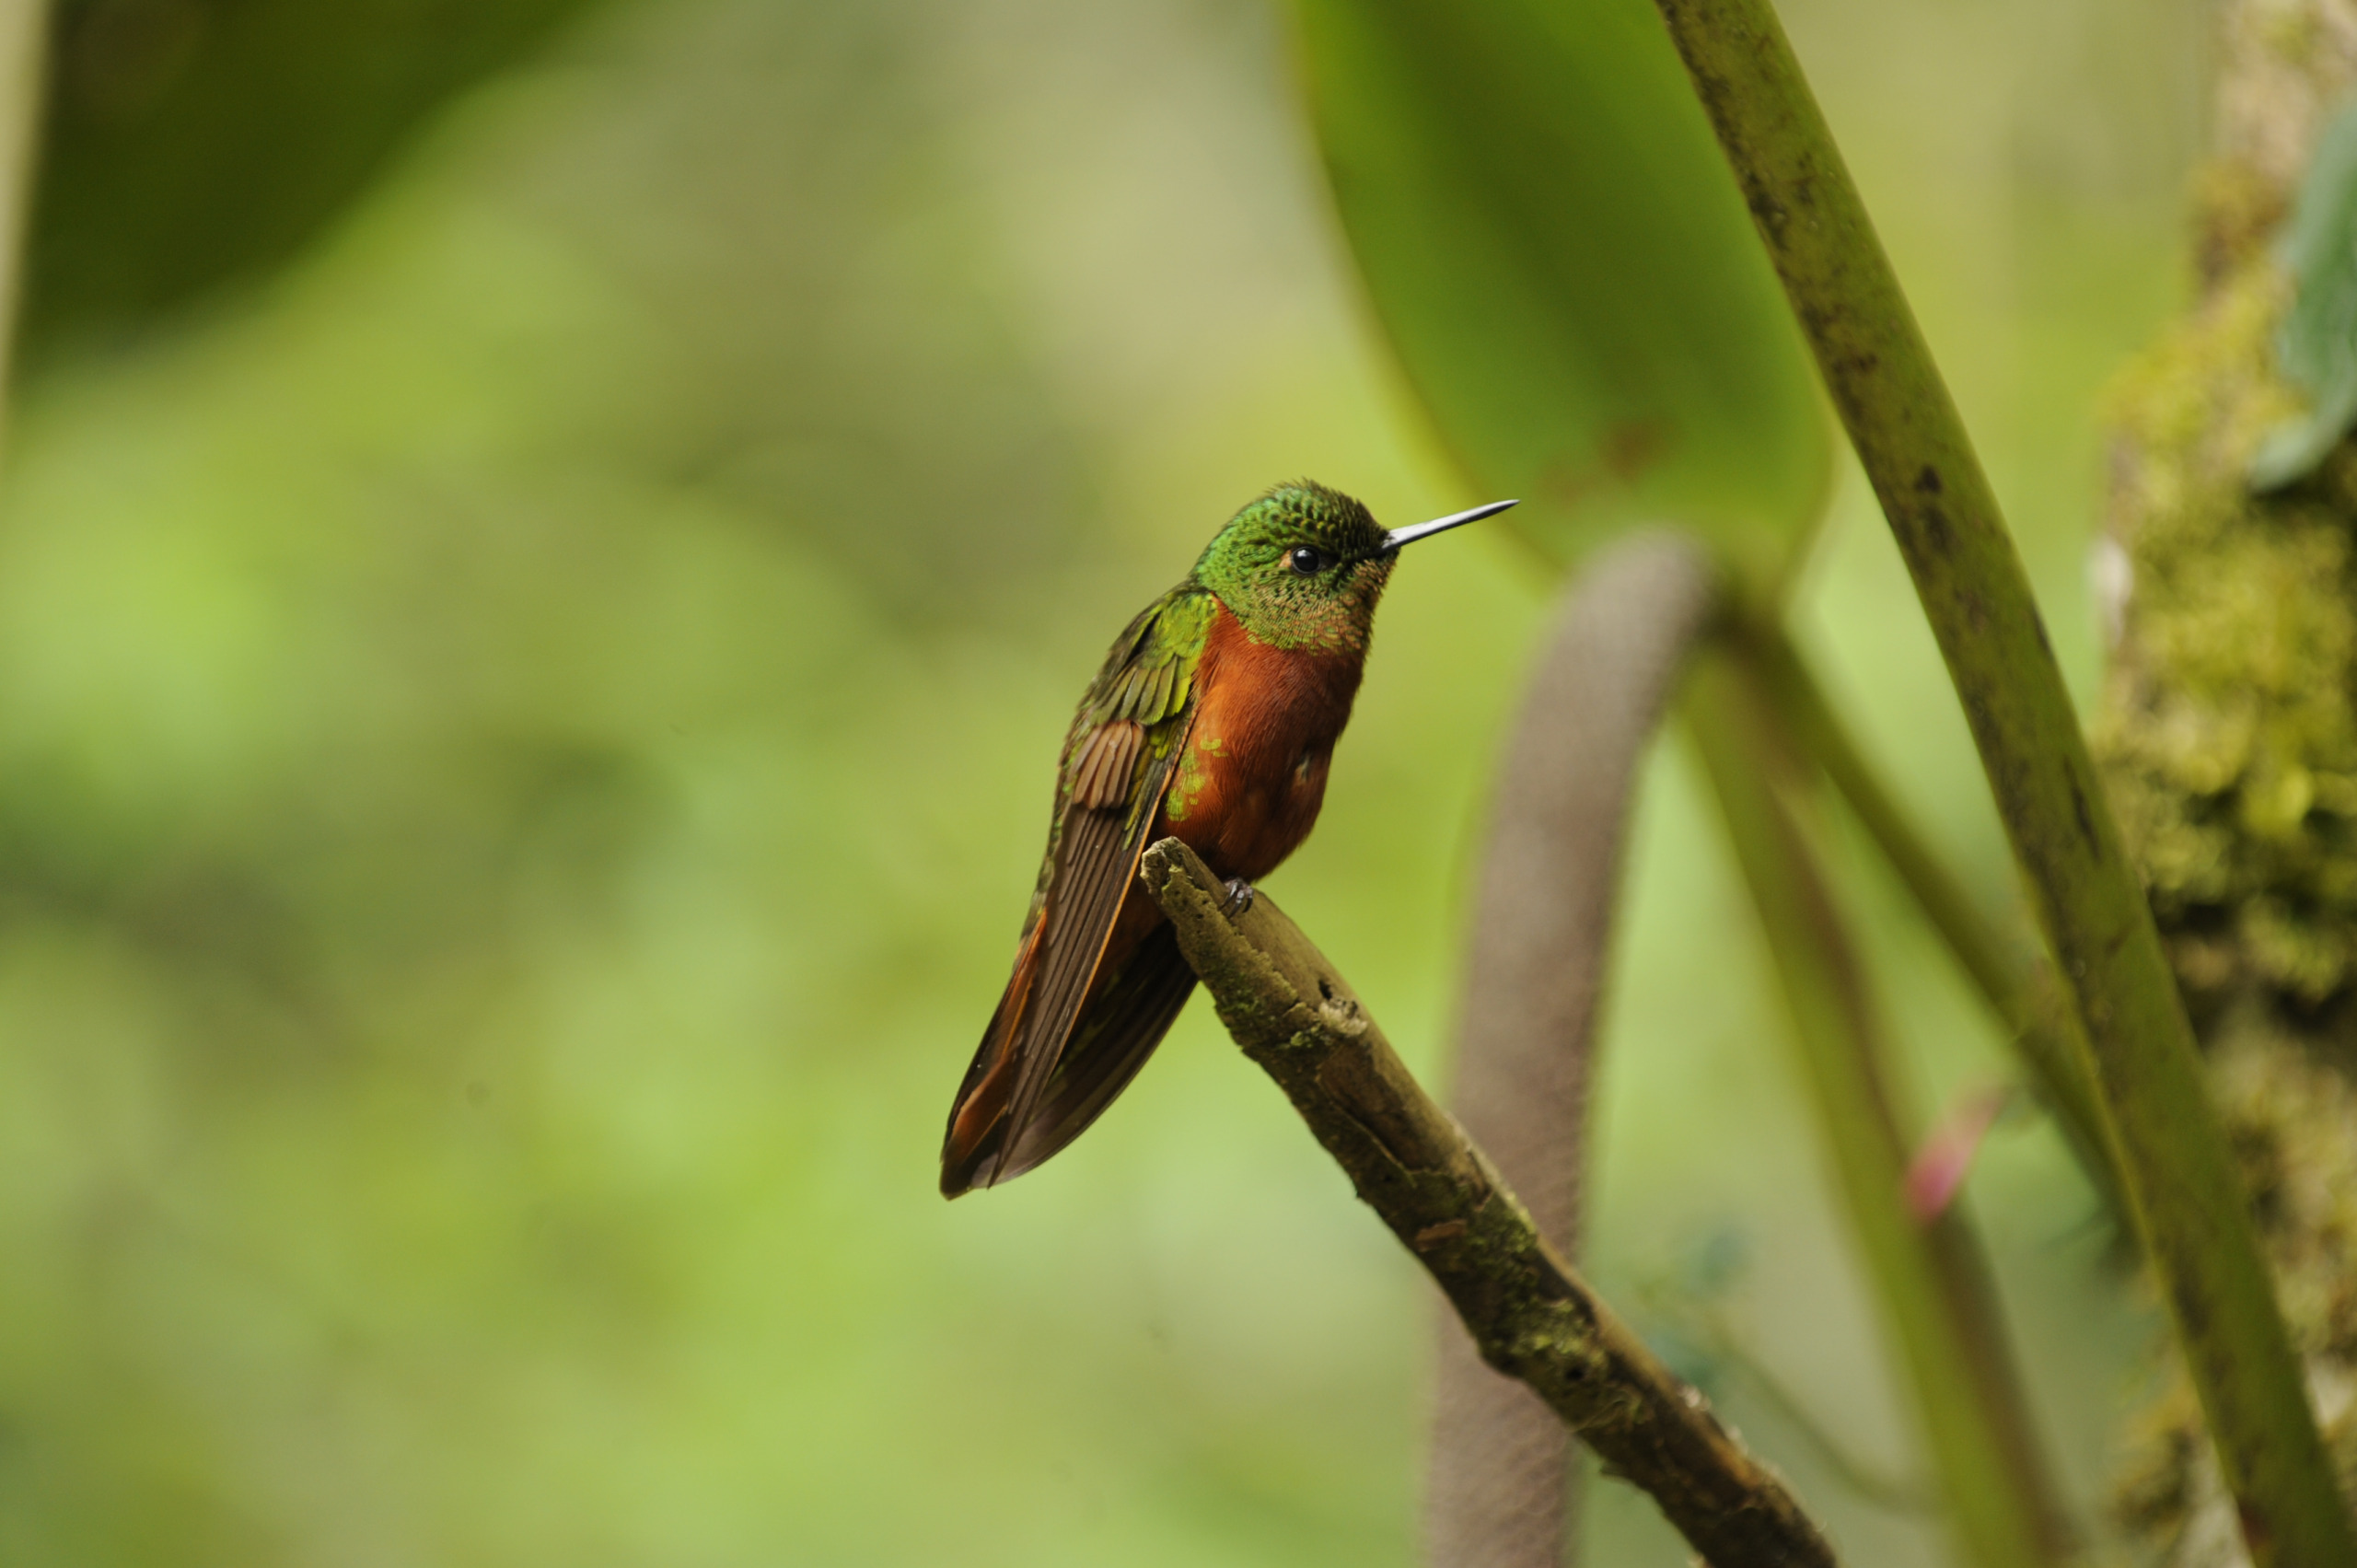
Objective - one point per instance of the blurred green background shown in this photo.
(545, 555)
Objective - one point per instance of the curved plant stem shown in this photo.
(1500, 1490)
(1532, 1316)
(2020, 991)
(1931, 1276)
(2188, 1204)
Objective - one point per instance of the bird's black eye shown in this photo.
(1305, 562)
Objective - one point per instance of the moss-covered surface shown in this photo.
(2228, 738)
(2227, 732)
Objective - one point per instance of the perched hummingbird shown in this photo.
(1213, 719)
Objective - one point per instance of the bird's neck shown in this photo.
(1284, 696)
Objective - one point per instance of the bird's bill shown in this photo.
(1398, 537)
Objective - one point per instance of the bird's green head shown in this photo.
(1303, 566)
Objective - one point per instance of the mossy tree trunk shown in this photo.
(2227, 734)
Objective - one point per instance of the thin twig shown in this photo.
(2190, 1205)
(1533, 1318)
(1498, 1492)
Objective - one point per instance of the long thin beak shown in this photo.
(1398, 537)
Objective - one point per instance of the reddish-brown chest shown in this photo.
(1247, 790)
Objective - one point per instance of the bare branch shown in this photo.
(1532, 1317)
(1497, 1492)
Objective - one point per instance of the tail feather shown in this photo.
(1128, 1011)
(976, 1132)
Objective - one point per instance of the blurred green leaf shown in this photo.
(1562, 261)
(191, 142)
(2316, 346)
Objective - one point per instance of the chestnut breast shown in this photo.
(1266, 720)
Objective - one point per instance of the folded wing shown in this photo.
(1091, 995)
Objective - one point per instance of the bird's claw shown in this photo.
(1240, 895)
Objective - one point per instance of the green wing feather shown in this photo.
(1069, 1031)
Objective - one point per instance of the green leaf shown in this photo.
(2316, 346)
(194, 144)
(1551, 240)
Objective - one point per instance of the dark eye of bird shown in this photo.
(1305, 562)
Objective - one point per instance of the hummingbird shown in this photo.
(1213, 719)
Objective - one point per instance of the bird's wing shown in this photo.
(1116, 761)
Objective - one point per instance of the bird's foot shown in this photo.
(1240, 895)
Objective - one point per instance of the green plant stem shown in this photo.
(2188, 1204)
(24, 54)
(1932, 1278)
(1531, 1314)
(2020, 989)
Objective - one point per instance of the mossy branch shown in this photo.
(1531, 1315)
(1912, 442)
